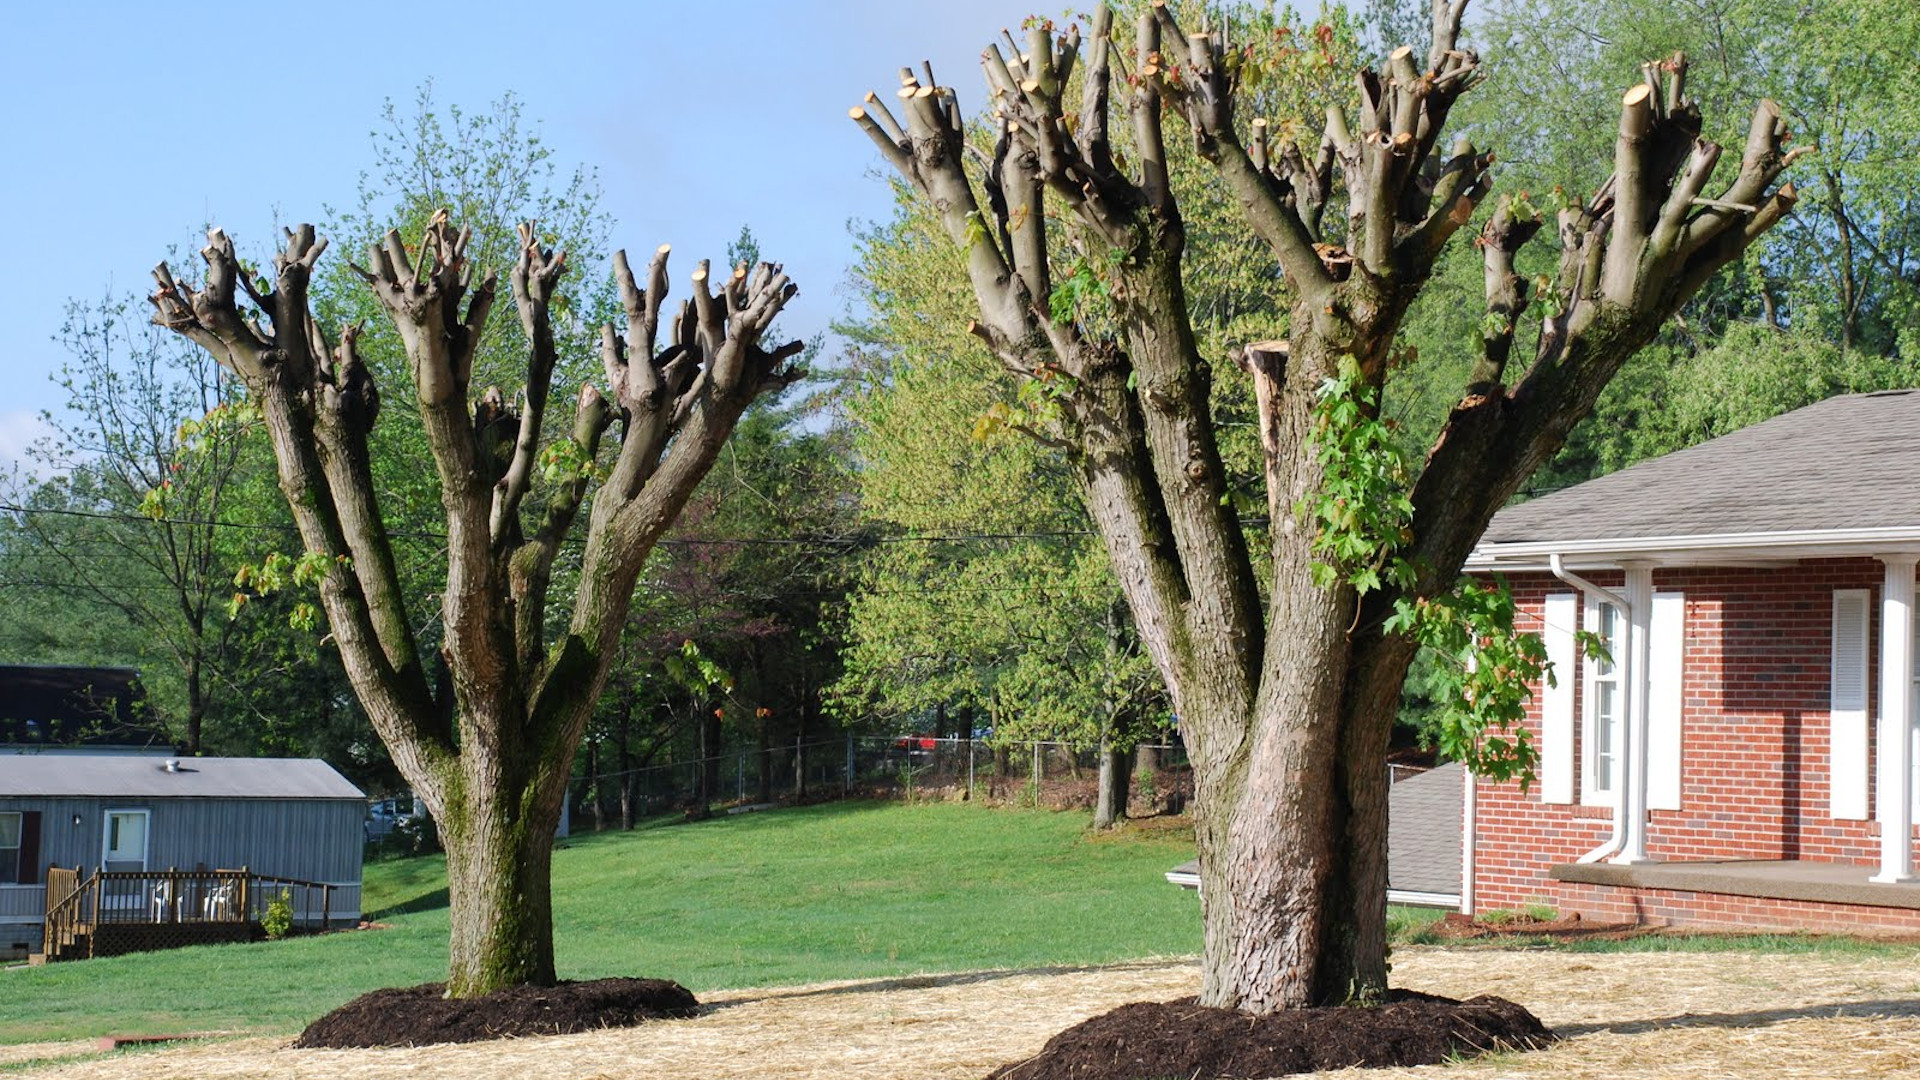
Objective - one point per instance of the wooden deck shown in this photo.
(110, 913)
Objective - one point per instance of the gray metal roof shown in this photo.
(121, 776)
(1850, 462)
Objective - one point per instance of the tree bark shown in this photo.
(500, 905)
(1110, 801)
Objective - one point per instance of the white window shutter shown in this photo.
(1557, 731)
(1847, 705)
(1667, 644)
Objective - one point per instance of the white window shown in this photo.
(1605, 708)
(10, 833)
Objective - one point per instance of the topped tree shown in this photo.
(1286, 706)
(486, 731)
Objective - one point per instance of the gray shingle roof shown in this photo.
(1850, 462)
(147, 777)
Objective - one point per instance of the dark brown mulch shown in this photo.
(1182, 1039)
(420, 1015)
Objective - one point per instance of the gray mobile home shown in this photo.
(279, 819)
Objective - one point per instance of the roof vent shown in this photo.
(1890, 393)
(172, 764)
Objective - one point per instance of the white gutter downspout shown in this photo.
(1467, 844)
(1639, 695)
(1617, 838)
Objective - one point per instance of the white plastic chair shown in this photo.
(162, 900)
(219, 903)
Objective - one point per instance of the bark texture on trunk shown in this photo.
(1286, 706)
(1111, 786)
(488, 741)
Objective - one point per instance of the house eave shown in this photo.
(1697, 549)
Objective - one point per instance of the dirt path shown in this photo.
(1626, 1017)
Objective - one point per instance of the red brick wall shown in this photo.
(1754, 775)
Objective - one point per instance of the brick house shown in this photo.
(1747, 758)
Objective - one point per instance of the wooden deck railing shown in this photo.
(65, 911)
(77, 905)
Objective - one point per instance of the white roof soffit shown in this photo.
(1728, 549)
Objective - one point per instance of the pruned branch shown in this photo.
(1505, 233)
(314, 398)
(535, 276)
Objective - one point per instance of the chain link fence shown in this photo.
(1033, 773)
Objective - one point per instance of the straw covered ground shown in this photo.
(1624, 1016)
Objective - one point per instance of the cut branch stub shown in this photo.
(715, 340)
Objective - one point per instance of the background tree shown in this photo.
(1286, 700)
(986, 599)
(128, 526)
(487, 734)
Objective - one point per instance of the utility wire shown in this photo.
(834, 542)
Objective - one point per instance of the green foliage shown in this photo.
(1077, 293)
(1484, 669)
(1362, 510)
(277, 573)
(277, 920)
(565, 459)
(693, 670)
(1362, 515)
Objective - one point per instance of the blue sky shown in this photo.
(131, 124)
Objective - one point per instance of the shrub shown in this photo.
(277, 920)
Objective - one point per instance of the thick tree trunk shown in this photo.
(499, 894)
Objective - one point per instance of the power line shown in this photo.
(832, 542)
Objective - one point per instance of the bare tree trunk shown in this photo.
(196, 703)
(800, 749)
(1110, 804)
(623, 751)
(594, 797)
(764, 729)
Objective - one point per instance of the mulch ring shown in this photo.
(1458, 927)
(421, 1015)
(1184, 1039)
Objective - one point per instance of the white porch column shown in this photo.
(1893, 741)
(1633, 754)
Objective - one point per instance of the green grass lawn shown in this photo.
(845, 890)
